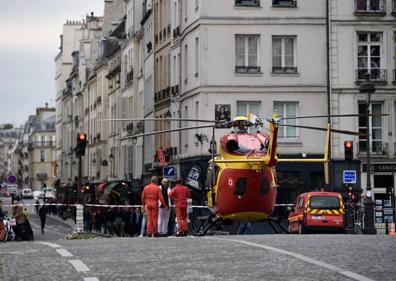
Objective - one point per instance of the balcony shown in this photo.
(129, 76)
(247, 69)
(284, 70)
(248, 3)
(370, 7)
(376, 75)
(284, 3)
(378, 148)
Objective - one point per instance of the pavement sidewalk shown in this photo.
(68, 222)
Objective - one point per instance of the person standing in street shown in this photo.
(150, 196)
(43, 216)
(164, 213)
(2, 227)
(17, 214)
(179, 195)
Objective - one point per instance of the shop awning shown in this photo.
(110, 187)
(102, 186)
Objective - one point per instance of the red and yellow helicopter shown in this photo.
(241, 181)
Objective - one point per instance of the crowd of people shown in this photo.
(153, 219)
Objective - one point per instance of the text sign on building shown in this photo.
(349, 176)
(169, 172)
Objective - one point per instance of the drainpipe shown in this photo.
(180, 75)
(330, 185)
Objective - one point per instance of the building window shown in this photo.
(42, 155)
(244, 107)
(285, 110)
(196, 57)
(284, 3)
(369, 56)
(246, 47)
(375, 128)
(283, 54)
(250, 3)
(370, 6)
(185, 64)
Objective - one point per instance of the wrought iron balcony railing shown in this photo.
(376, 75)
(247, 69)
(377, 148)
(284, 3)
(284, 69)
(252, 3)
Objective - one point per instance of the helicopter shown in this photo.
(241, 182)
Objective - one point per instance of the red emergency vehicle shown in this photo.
(317, 211)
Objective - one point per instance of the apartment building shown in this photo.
(363, 40)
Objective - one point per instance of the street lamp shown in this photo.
(369, 228)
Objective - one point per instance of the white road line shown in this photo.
(52, 245)
(79, 265)
(91, 279)
(337, 269)
(64, 253)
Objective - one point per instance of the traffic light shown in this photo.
(348, 150)
(81, 144)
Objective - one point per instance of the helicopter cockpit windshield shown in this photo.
(246, 144)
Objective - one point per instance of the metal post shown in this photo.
(369, 227)
(79, 183)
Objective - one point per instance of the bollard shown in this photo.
(386, 227)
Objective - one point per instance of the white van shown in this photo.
(27, 193)
(49, 193)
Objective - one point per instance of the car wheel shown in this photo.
(301, 229)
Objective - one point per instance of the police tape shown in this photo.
(116, 206)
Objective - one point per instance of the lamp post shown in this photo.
(369, 228)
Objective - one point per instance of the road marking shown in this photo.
(18, 252)
(79, 265)
(337, 269)
(52, 245)
(64, 253)
(91, 279)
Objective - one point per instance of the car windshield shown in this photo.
(324, 202)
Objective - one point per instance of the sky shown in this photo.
(29, 42)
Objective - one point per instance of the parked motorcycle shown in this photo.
(8, 224)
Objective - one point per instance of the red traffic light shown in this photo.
(348, 144)
(82, 137)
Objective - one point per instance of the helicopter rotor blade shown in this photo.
(336, 115)
(324, 129)
(165, 131)
(160, 119)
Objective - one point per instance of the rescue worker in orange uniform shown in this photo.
(179, 194)
(150, 196)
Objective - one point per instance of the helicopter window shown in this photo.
(232, 145)
(240, 187)
(264, 186)
(248, 143)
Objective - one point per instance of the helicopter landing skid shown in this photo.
(209, 225)
(277, 226)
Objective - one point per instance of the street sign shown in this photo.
(349, 176)
(12, 179)
(169, 172)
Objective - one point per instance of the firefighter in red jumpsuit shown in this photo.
(179, 194)
(150, 196)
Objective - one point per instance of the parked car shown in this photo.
(48, 192)
(27, 193)
(37, 194)
(317, 211)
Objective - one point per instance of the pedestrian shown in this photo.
(37, 206)
(164, 213)
(150, 196)
(143, 225)
(20, 218)
(43, 216)
(179, 195)
(2, 228)
(244, 227)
